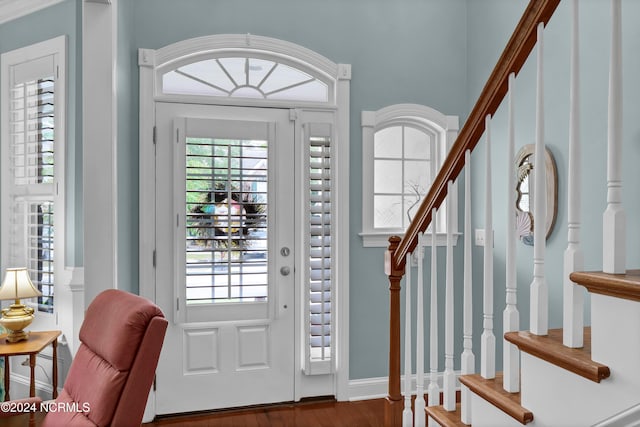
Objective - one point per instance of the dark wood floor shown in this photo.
(367, 413)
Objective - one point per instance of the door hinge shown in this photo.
(57, 71)
(177, 136)
(178, 304)
(155, 378)
(154, 135)
(293, 114)
(154, 258)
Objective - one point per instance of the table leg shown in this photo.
(55, 368)
(32, 385)
(7, 379)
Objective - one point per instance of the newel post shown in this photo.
(393, 410)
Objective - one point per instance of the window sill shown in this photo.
(381, 239)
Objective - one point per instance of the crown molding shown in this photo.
(12, 9)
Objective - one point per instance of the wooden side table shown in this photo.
(35, 344)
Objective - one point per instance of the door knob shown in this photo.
(285, 271)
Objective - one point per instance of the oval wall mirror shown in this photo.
(524, 193)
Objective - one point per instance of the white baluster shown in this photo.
(419, 403)
(614, 220)
(449, 381)
(488, 340)
(434, 389)
(468, 360)
(511, 316)
(539, 316)
(573, 302)
(407, 415)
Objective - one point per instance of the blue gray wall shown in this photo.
(395, 49)
(490, 25)
(433, 52)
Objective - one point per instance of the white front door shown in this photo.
(224, 256)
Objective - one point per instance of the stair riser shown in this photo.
(614, 335)
(484, 414)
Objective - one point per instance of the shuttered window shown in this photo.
(320, 275)
(226, 227)
(32, 143)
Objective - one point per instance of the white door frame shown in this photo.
(150, 61)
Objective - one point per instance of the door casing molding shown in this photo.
(150, 61)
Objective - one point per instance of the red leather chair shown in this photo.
(110, 377)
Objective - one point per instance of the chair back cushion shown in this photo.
(111, 335)
(114, 325)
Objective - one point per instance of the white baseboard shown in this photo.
(377, 387)
(20, 387)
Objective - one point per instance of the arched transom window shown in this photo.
(245, 77)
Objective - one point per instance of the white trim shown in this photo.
(152, 62)
(627, 418)
(169, 55)
(99, 147)
(377, 387)
(13, 9)
(42, 387)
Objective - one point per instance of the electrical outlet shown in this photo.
(480, 237)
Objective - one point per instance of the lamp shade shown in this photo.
(18, 285)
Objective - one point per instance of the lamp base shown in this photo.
(17, 336)
(15, 318)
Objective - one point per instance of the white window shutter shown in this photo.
(319, 348)
(30, 174)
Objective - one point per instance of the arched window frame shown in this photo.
(441, 128)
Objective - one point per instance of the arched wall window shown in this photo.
(403, 147)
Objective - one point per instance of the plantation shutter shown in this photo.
(31, 172)
(320, 274)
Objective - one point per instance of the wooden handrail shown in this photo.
(512, 59)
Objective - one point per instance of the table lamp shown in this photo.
(17, 316)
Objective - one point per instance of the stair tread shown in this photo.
(550, 348)
(626, 286)
(446, 418)
(493, 392)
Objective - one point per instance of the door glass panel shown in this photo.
(226, 226)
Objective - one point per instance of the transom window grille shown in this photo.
(226, 228)
(32, 167)
(244, 77)
(320, 277)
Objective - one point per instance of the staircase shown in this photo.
(575, 376)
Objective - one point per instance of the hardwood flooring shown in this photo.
(367, 413)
